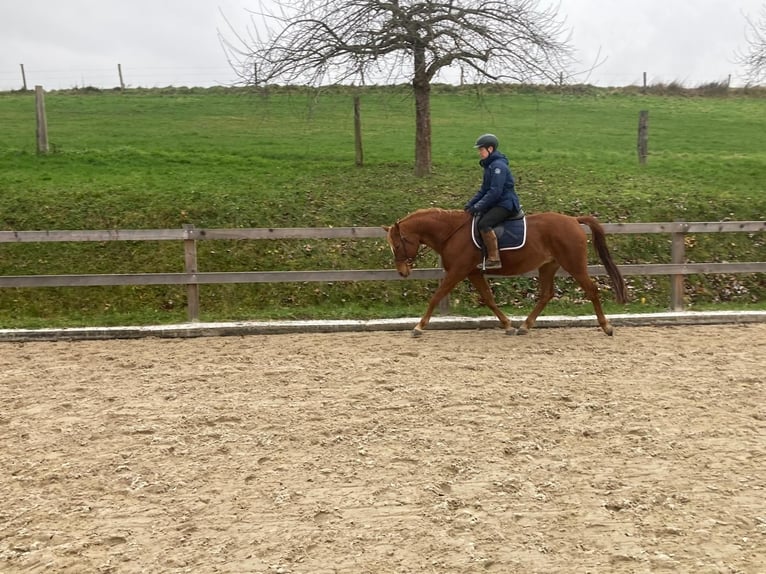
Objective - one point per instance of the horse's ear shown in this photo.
(386, 228)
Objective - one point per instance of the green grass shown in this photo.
(233, 158)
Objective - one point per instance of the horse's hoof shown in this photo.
(510, 331)
(416, 333)
(609, 330)
(522, 331)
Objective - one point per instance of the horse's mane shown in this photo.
(436, 212)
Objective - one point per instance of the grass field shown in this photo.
(235, 158)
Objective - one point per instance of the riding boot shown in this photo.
(493, 255)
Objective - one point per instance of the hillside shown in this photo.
(285, 158)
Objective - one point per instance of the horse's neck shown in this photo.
(435, 228)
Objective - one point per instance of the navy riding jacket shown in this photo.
(497, 187)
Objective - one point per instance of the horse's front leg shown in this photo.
(479, 281)
(447, 284)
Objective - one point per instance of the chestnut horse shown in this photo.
(553, 240)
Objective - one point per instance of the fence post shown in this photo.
(677, 256)
(358, 132)
(445, 304)
(643, 136)
(190, 266)
(42, 121)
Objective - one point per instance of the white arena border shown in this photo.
(241, 328)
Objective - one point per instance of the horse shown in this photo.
(553, 240)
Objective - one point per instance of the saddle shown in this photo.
(511, 233)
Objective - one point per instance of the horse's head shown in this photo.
(404, 247)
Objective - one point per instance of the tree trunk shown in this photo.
(421, 88)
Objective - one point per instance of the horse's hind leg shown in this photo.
(545, 293)
(479, 281)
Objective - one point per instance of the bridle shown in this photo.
(401, 246)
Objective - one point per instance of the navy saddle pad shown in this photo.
(511, 234)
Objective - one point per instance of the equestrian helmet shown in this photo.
(487, 140)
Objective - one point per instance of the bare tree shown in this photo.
(754, 59)
(340, 41)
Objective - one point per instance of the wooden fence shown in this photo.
(193, 278)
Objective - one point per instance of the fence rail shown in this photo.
(192, 277)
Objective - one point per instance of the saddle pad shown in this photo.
(511, 234)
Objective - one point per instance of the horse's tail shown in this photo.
(599, 241)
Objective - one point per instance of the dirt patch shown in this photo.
(563, 451)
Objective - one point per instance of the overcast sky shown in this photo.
(70, 43)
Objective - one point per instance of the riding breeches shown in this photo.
(494, 216)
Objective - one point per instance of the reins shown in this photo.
(458, 228)
(421, 247)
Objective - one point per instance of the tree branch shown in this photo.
(347, 40)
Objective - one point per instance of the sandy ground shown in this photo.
(565, 451)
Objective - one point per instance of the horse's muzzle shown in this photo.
(404, 269)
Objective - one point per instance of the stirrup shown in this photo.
(490, 264)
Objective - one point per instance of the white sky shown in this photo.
(70, 43)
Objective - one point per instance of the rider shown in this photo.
(496, 200)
